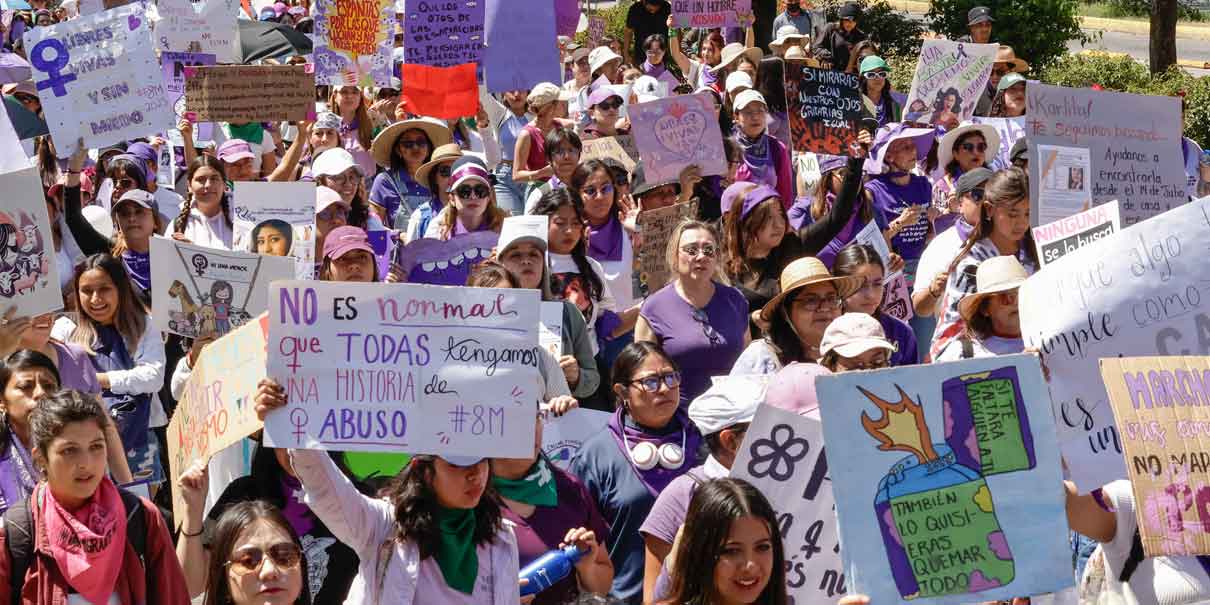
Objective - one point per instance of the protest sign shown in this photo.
(354, 40)
(206, 26)
(824, 107)
(948, 81)
(896, 298)
(165, 169)
(1160, 405)
(1134, 143)
(562, 436)
(1058, 179)
(236, 93)
(206, 291)
(1065, 235)
(783, 456)
(282, 215)
(520, 36)
(404, 368)
(12, 156)
(440, 92)
(443, 34)
(173, 65)
(709, 13)
(973, 514)
(216, 409)
(29, 275)
(607, 148)
(445, 262)
(656, 227)
(676, 132)
(98, 78)
(550, 327)
(1009, 129)
(596, 30)
(1139, 291)
(567, 17)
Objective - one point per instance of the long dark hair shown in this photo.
(584, 171)
(416, 507)
(852, 257)
(202, 161)
(1005, 188)
(952, 167)
(770, 82)
(550, 203)
(782, 337)
(24, 359)
(633, 356)
(740, 232)
(230, 525)
(131, 317)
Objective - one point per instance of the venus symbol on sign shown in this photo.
(298, 417)
(55, 80)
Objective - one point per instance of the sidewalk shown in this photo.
(1196, 31)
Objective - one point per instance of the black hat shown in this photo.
(1020, 150)
(972, 180)
(979, 14)
(850, 10)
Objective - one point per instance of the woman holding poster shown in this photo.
(205, 217)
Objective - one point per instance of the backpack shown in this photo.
(19, 532)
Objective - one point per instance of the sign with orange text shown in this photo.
(353, 42)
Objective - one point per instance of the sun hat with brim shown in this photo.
(995, 275)
(786, 34)
(871, 63)
(546, 93)
(792, 389)
(468, 168)
(852, 334)
(737, 80)
(850, 10)
(731, 400)
(144, 199)
(600, 57)
(445, 153)
(529, 228)
(333, 162)
(732, 52)
(1010, 80)
(343, 240)
(923, 138)
(1006, 55)
(945, 150)
(438, 132)
(798, 53)
(325, 197)
(802, 273)
(747, 98)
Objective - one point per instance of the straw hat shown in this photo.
(445, 153)
(945, 149)
(804, 272)
(1006, 55)
(733, 51)
(438, 132)
(798, 53)
(786, 34)
(995, 275)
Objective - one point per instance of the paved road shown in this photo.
(1136, 46)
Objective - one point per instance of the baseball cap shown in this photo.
(731, 400)
(468, 167)
(143, 198)
(737, 80)
(748, 97)
(234, 150)
(327, 120)
(1020, 150)
(979, 14)
(601, 95)
(972, 180)
(546, 93)
(523, 228)
(326, 196)
(342, 240)
(850, 10)
(1009, 80)
(332, 162)
(852, 334)
(462, 461)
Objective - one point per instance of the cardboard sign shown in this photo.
(281, 214)
(896, 299)
(521, 42)
(1059, 182)
(204, 291)
(607, 148)
(709, 13)
(1069, 234)
(1134, 142)
(29, 275)
(948, 81)
(444, 34)
(550, 327)
(1161, 406)
(949, 492)
(824, 107)
(562, 436)
(404, 368)
(1140, 291)
(783, 456)
(98, 78)
(216, 410)
(206, 26)
(354, 40)
(677, 132)
(445, 262)
(656, 227)
(236, 93)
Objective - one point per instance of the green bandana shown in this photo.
(456, 554)
(252, 132)
(536, 488)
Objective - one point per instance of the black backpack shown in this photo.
(19, 532)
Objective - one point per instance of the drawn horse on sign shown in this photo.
(187, 317)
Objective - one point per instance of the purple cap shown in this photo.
(732, 193)
(144, 152)
(755, 197)
(600, 95)
(793, 388)
(343, 240)
(234, 150)
(280, 8)
(828, 163)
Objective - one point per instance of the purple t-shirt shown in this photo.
(700, 349)
(892, 199)
(75, 368)
(902, 335)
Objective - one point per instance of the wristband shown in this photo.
(189, 535)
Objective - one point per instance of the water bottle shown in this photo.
(548, 569)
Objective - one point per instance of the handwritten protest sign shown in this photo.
(445, 262)
(676, 132)
(824, 108)
(444, 34)
(519, 34)
(216, 409)
(596, 30)
(354, 40)
(783, 456)
(1010, 130)
(607, 148)
(709, 13)
(206, 291)
(896, 298)
(279, 218)
(404, 367)
(1065, 235)
(173, 65)
(98, 78)
(29, 275)
(948, 81)
(236, 93)
(1160, 404)
(1134, 143)
(562, 436)
(550, 327)
(973, 513)
(1140, 291)
(206, 26)
(1059, 182)
(656, 227)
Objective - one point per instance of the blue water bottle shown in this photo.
(548, 569)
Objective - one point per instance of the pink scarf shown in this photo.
(88, 545)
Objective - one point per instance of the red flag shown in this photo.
(441, 92)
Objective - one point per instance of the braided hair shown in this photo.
(202, 161)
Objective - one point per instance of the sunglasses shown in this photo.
(595, 191)
(413, 144)
(343, 178)
(708, 330)
(249, 560)
(125, 183)
(973, 147)
(976, 194)
(468, 192)
(706, 250)
(609, 105)
(874, 75)
(652, 383)
(444, 171)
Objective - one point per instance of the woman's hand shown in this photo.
(12, 330)
(907, 218)
(269, 396)
(562, 404)
(854, 599)
(186, 128)
(76, 163)
(571, 370)
(586, 541)
(895, 263)
(180, 237)
(689, 178)
(194, 484)
(395, 275)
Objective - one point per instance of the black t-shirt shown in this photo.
(644, 23)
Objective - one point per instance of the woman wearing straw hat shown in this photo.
(401, 150)
(434, 175)
(961, 150)
(993, 323)
(529, 154)
(736, 57)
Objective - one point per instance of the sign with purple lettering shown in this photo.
(520, 37)
(173, 65)
(709, 13)
(443, 34)
(404, 368)
(973, 513)
(676, 132)
(353, 42)
(949, 79)
(97, 78)
(207, 26)
(445, 262)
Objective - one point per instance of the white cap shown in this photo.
(738, 79)
(647, 85)
(852, 334)
(524, 228)
(731, 400)
(333, 162)
(325, 197)
(747, 97)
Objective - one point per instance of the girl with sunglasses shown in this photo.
(605, 104)
(401, 150)
(259, 559)
(435, 176)
(961, 150)
(337, 170)
(607, 237)
(862, 261)
(472, 204)
(877, 92)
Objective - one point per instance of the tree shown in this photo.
(1163, 34)
(1038, 30)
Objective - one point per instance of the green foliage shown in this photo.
(902, 69)
(895, 31)
(615, 22)
(1038, 30)
(1113, 9)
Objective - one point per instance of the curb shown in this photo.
(1197, 32)
(1181, 62)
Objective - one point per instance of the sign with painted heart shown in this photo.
(98, 78)
(207, 26)
(677, 132)
(445, 262)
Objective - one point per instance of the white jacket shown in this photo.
(147, 375)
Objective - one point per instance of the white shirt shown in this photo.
(210, 232)
(563, 263)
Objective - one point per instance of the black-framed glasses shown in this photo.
(974, 147)
(652, 383)
(248, 560)
(477, 192)
(707, 329)
(815, 304)
(706, 250)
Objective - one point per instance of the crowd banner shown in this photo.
(279, 214)
(974, 513)
(404, 368)
(445, 262)
(520, 49)
(783, 456)
(236, 93)
(98, 78)
(353, 42)
(1065, 235)
(443, 34)
(824, 107)
(1134, 142)
(676, 132)
(1010, 130)
(208, 292)
(948, 81)
(896, 298)
(29, 275)
(656, 226)
(607, 148)
(567, 17)
(216, 409)
(1058, 182)
(709, 13)
(1160, 404)
(207, 26)
(563, 436)
(1136, 292)
(550, 327)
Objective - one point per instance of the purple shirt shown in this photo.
(902, 335)
(892, 200)
(689, 342)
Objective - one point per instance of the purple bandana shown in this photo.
(605, 242)
(658, 478)
(295, 511)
